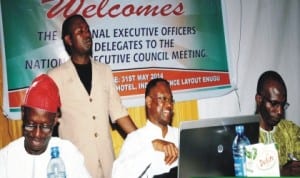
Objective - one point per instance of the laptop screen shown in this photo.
(205, 146)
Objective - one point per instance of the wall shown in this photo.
(263, 35)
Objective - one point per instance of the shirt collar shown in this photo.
(265, 131)
(154, 128)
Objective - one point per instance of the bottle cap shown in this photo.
(239, 129)
(54, 152)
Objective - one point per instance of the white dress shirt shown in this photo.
(15, 162)
(137, 156)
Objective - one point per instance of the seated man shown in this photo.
(271, 101)
(153, 149)
(29, 155)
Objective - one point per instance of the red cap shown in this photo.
(43, 94)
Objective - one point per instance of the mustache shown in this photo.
(88, 40)
(34, 138)
(171, 112)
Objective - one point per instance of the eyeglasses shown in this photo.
(163, 99)
(277, 104)
(44, 128)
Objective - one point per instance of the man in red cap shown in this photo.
(29, 155)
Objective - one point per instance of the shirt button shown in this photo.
(99, 163)
(96, 134)
(94, 117)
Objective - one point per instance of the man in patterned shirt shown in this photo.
(271, 102)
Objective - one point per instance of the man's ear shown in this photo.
(67, 40)
(148, 101)
(57, 116)
(258, 99)
(56, 120)
(22, 112)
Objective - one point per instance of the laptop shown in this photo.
(205, 146)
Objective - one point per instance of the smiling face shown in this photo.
(160, 104)
(37, 129)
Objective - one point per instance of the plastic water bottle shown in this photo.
(56, 166)
(238, 151)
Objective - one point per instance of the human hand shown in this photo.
(169, 148)
(291, 168)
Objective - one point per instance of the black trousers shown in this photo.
(171, 174)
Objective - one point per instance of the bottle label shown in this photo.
(239, 166)
(57, 175)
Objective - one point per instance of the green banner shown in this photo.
(182, 41)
